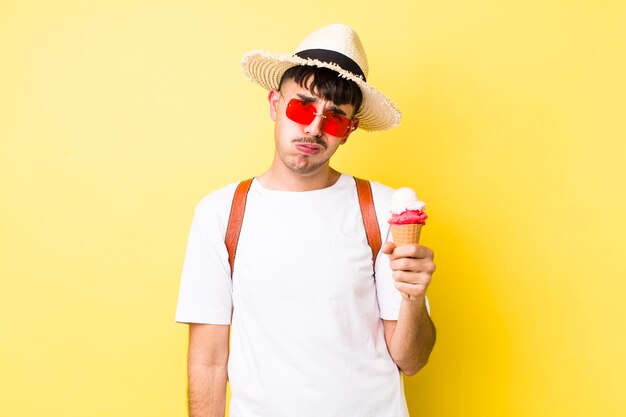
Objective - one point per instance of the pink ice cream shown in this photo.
(409, 217)
(406, 208)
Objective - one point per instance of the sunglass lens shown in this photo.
(300, 111)
(336, 124)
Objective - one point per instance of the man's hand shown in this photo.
(412, 267)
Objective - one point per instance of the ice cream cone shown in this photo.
(405, 234)
(407, 219)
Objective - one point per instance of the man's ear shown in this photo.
(273, 98)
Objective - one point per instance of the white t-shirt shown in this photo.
(303, 303)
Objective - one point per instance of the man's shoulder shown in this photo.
(381, 189)
(381, 193)
(217, 202)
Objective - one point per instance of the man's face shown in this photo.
(304, 149)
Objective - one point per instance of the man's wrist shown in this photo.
(415, 302)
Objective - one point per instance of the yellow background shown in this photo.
(116, 117)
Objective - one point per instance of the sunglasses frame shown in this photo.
(291, 104)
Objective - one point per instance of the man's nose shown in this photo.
(315, 127)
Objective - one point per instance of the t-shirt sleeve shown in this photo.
(205, 287)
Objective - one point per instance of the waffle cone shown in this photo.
(405, 234)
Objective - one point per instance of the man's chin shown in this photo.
(304, 166)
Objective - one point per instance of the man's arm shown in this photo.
(207, 361)
(411, 338)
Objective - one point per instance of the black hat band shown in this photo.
(333, 57)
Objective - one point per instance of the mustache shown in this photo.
(316, 141)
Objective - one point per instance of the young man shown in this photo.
(316, 329)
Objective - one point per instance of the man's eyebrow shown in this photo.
(337, 110)
(312, 99)
(307, 98)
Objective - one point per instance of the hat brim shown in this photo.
(377, 112)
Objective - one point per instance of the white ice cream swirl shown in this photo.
(405, 199)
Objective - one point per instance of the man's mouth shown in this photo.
(309, 148)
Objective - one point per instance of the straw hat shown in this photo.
(336, 47)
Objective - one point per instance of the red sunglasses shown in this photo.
(304, 112)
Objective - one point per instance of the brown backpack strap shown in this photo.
(235, 219)
(368, 211)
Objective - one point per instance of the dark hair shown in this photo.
(325, 83)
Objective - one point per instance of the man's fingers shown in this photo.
(410, 251)
(414, 291)
(388, 248)
(410, 277)
(413, 264)
(412, 267)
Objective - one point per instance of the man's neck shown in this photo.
(289, 181)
